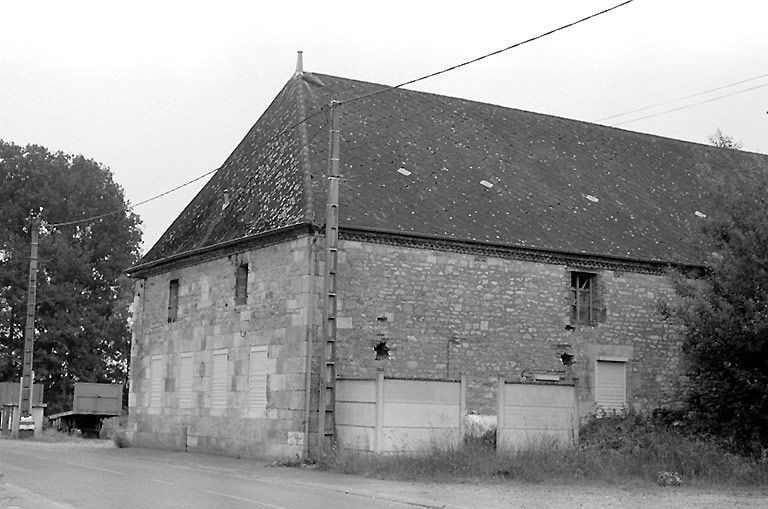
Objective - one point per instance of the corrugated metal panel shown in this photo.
(98, 398)
(9, 393)
(257, 382)
(611, 385)
(156, 381)
(219, 380)
(185, 381)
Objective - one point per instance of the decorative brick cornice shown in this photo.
(215, 251)
(586, 261)
(580, 260)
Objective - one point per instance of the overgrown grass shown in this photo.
(613, 449)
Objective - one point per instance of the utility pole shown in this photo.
(327, 400)
(26, 422)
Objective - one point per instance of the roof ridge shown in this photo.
(520, 110)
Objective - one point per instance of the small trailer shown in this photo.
(92, 404)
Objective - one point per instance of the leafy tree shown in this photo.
(719, 139)
(82, 294)
(725, 314)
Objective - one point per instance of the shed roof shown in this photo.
(425, 164)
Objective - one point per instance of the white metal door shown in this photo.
(611, 385)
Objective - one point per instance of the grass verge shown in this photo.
(614, 449)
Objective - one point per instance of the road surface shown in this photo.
(73, 475)
(94, 474)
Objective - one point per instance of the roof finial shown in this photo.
(300, 62)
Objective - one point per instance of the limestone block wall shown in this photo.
(449, 313)
(263, 343)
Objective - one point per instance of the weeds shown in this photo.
(53, 435)
(613, 449)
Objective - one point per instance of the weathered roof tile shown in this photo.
(475, 172)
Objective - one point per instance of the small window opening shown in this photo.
(241, 285)
(173, 300)
(382, 351)
(582, 286)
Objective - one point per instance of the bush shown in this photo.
(121, 439)
(723, 314)
(644, 445)
(116, 429)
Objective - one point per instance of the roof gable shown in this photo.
(259, 188)
(469, 171)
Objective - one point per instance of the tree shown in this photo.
(82, 294)
(725, 316)
(719, 139)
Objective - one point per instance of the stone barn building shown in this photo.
(474, 240)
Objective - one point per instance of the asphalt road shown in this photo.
(95, 474)
(66, 475)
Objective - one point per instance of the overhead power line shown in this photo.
(712, 99)
(487, 55)
(131, 207)
(353, 99)
(185, 184)
(691, 96)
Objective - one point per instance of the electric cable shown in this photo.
(131, 207)
(185, 184)
(713, 99)
(704, 92)
(353, 99)
(487, 55)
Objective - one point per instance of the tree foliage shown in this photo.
(722, 140)
(82, 293)
(725, 314)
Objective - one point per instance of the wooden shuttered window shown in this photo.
(156, 382)
(611, 385)
(257, 382)
(186, 379)
(587, 304)
(581, 294)
(219, 380)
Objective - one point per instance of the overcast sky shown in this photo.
(162, 92)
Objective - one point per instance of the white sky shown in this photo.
(162, 92)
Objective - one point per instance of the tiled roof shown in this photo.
(425, 164)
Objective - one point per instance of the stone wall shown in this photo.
(275, 317)
(449, 313)
(443, 313)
